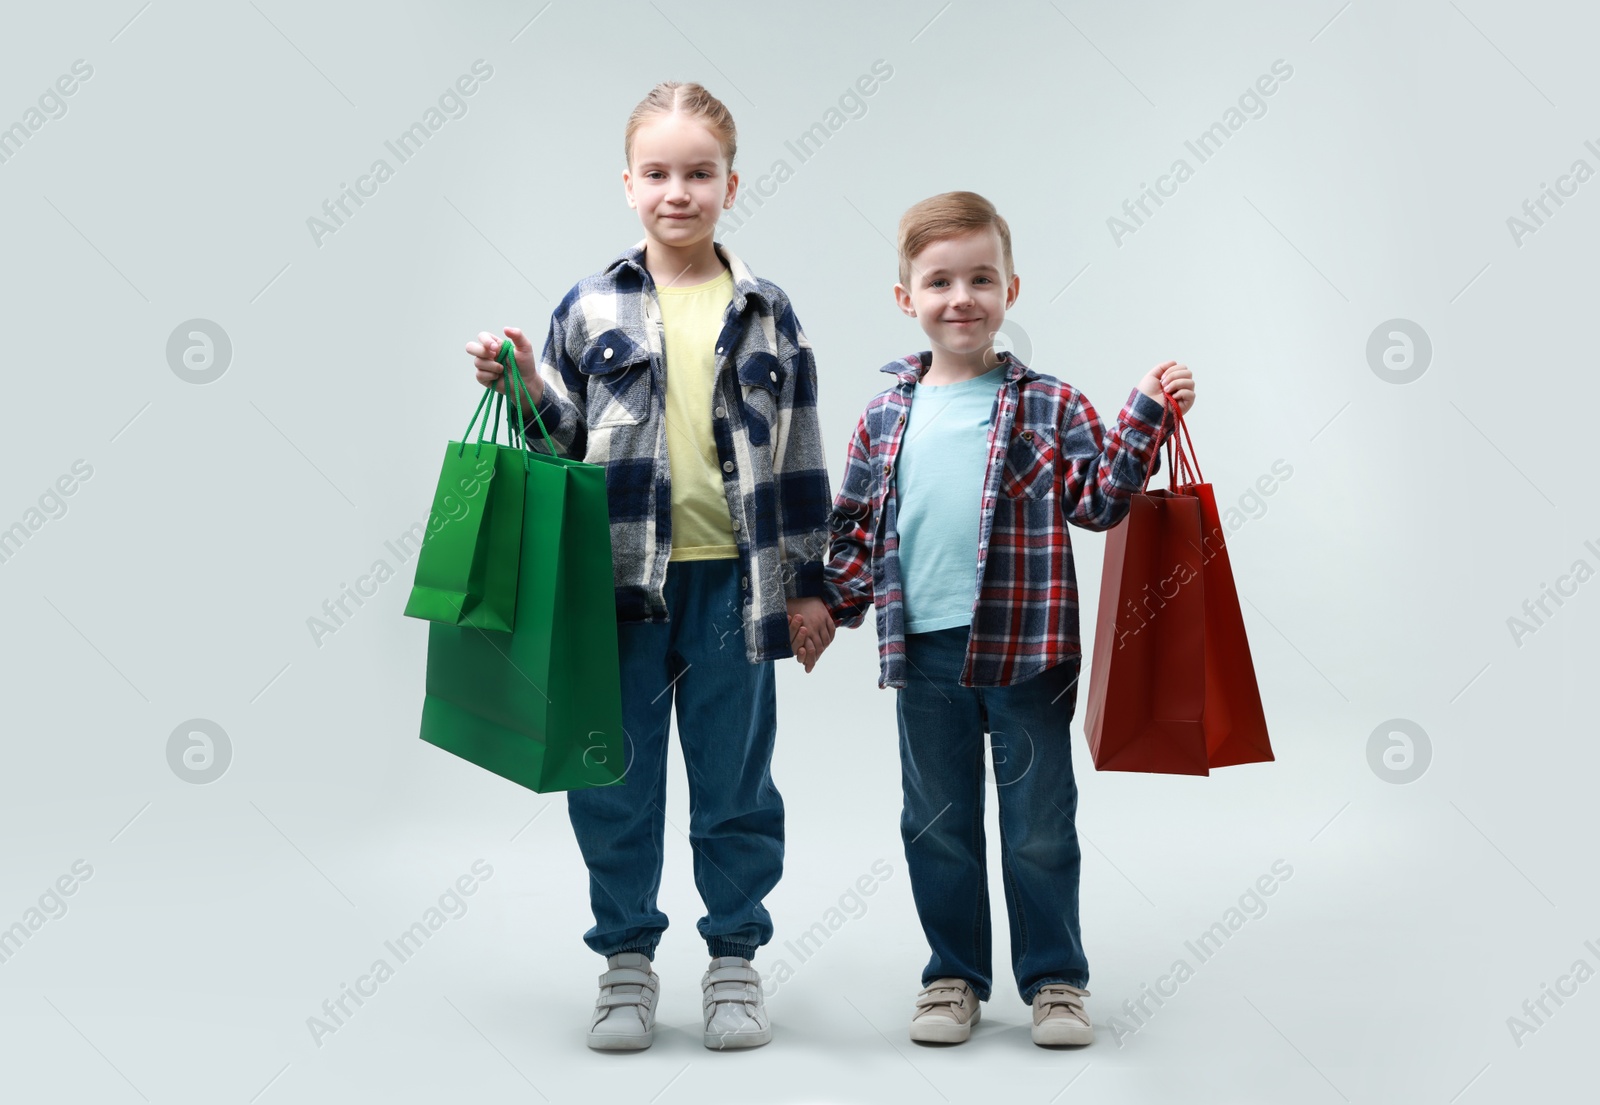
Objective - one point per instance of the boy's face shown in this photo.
(960, 293)
(679, 180)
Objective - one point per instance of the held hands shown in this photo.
(1171, 378)
(491, 371)
(810, 630)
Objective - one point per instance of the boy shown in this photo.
(971, 458)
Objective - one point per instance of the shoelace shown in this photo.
(1067, 997)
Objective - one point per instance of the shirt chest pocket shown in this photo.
(760, 381)
(1030, 466)
(617, 371)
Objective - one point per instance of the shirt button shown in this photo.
(736, 523)
(744, 581)
(607, 353)
(719, 349)
(774, 375)
(727, 466)
(721, 412)
(887, 469)
(1027, 435)
(902, 420)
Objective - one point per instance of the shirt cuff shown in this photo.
(549, 413)
(806, 582)
(1153, 413)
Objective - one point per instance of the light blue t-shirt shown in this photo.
(939, 487)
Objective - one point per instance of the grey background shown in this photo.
(1377, 580)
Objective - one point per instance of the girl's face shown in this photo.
(679, 181)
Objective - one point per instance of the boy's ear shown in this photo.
(733, 190)
(1013, 290)
(627, 186)
(902, 298)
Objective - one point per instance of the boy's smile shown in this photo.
(959, 295)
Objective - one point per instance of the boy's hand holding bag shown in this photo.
(1173, 688)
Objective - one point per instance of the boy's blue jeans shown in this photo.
(942, 775)
(727, 721)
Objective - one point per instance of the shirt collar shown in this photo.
(745, 285)
(909, 370)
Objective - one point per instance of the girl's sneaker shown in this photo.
(734, 1011)
(625, 1011)
(1059, 1016)
(947, 1009)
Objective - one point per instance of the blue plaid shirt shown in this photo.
(1049, 463)
(605, 375)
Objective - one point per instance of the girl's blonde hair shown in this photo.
(690, 99)
(948, 215)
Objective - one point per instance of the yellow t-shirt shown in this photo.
(691, 322)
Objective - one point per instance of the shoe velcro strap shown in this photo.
(741, 992)
(734, 974)
(611, 1001)
(626, 976)
(941, 997)
(1071, 1003)
(1046, 1003)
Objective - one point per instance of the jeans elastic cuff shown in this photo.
(720, 946)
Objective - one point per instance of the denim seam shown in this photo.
(1009, 876)
(985, 940)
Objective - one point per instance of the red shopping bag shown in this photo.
(1172, 688)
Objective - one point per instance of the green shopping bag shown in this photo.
(540, 705)
(467, 567)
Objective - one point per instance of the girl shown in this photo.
(691, 380)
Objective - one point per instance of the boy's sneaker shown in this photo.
(947, 1009)
(734, 1011)
(625, 1011)
(1059, 1016)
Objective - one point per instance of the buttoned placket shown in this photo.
(891, 454)
(663, 481)
(1000, 434)
(719, 411)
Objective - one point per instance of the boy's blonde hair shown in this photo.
(948, 215)
(690, 99)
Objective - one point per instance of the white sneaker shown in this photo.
(625, 1011)
(1059, 1016)
(947, 1008)
(734, 1012)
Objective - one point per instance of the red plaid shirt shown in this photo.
(1049, 463)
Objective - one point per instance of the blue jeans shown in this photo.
(942, 776)
(727, 720)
